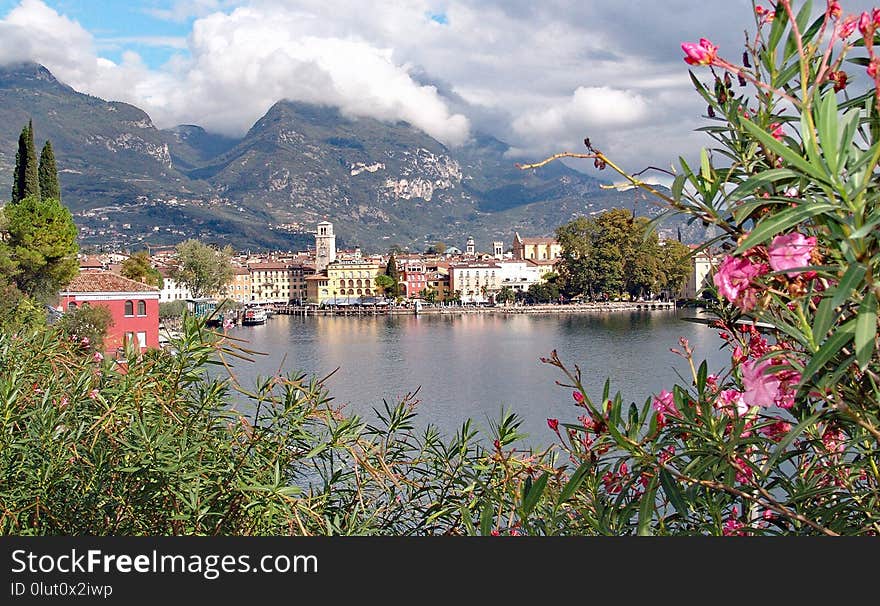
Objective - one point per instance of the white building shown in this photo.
(476, 282)
(325, 246)
(701, 275)
(171, 289)
(520, 275)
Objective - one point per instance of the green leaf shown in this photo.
(761, 181)
(788, 439)
(486, 519)
(792, 157)
(705, 166)
(866, 330)
(827, 126)
(577, 478)
(781, 221)
(673, 493)
(646, 510)
(848, 283)
(534, 494)
(829, 349)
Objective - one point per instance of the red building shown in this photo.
(134, 306)
(413, 278)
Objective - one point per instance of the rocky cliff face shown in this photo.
(380, 183)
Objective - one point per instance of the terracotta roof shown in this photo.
(541, 261)
(91, 261)
(105, 281)
(268, 266)
(539, 241)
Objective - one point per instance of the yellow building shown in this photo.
(345, 282)
(239, 288)
(535, 249)
(276, 282)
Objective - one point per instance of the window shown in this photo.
(142, 308)
(71, 305)
(129, 308)
(142, 339)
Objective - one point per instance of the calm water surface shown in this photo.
(472, 365)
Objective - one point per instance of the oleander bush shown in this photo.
(784, 441)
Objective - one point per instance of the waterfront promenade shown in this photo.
(369, 310)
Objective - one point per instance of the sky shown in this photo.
(540, 76)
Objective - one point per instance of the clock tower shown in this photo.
(325, 246)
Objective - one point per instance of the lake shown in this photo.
(472, 365)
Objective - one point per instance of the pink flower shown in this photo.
(553, 424)
(578, 397)
(761, 388)
(93, 394)
(730, 400)
(776, 430)
(664, 404)
(733, 527)
(848, 27)
(873, 67)
(703, 53)
(875, 17)
(734, 277)
(744, 472)
(84, 342)
(788, 251)
(834, 10)
(98, 357)
(776, 131)
(712, 382)
(866, 25)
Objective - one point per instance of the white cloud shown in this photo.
(240, 64)
(587, 108)
(540, 76)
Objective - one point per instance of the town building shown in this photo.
(700, 277)
(276, 282)
(325, 246)
(350, 282)
(172, 290)
(413, 277)
(240, 287)
(134, 307)
(536, 249)
(475, 282)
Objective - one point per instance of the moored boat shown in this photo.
(254, 315)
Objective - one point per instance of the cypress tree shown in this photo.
(49, 187)
(27, 179)
(391, 272)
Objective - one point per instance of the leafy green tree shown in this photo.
(438, 248)
(19, 314)
(26, 180)
(505, 295)
(575, 269)
(385, 284)
(391, 272)
(48, 174)
(675, 265)
(41, 237)
(542, 293)
(87, 323)
(172, 309)
(611, 253)
(203, 269)
(138, 267)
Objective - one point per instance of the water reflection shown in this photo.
(473, 365)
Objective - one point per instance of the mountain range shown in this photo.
(131, 185)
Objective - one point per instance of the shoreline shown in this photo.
(512, 309)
